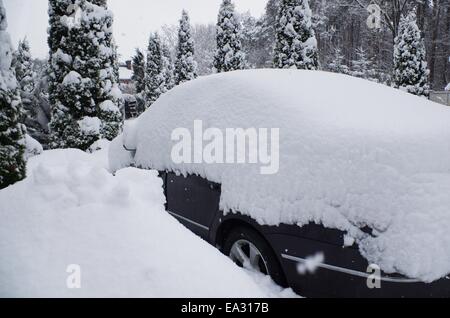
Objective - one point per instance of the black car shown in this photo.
(368, 171)
(278, 250)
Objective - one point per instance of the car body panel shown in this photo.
(344, 272)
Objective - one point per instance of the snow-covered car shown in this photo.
(359, 205)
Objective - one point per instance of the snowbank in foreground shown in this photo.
(70, 210)
(352, 153)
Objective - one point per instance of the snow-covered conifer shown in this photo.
(337, 64)
(82, 78)
(26, 78)
(138, 76)
(410, 67)
(101, 59)
(23, 66)
(229, 55)
(362, 66)
(168, 67)
(296, 44)
(60, 64)
(12, 132)
(185, 66)
(155, 84)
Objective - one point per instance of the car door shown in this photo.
(193, 200)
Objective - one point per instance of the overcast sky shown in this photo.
(134, 19)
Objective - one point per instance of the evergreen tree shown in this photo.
(185, 66)
(84, 92)
(337, 64)
(138, 77)
(168, 67)
(155, 83)
(229, 55)
(100, 58)
(60, 64)
(12, 132)
(363, 67)
(296, 44)
(28, 81)
(410, 66)
(23, 66)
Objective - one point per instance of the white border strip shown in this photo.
(350, 271)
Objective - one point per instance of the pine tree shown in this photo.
(363, 67)
(138, 77)
(337, 64)
(185, 66)
(60, 64)
(84, 90)
(168, 67)
(155, 84)
(229, 55)
(23, 66)
(12, 132)
(410, 67)
(101, 62)
(28, 81)
(296, 44)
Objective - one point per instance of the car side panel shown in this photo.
(194, 201)
(196, 204)
(348, 276)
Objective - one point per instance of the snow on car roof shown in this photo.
(352, 153)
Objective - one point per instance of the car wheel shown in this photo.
(248, 249)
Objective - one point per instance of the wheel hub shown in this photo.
(248, 256)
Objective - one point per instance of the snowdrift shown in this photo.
(72, 211)
(352, 154)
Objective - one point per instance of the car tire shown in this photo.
(243, 233)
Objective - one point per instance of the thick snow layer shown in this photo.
(125, 73)
(72, 78)
(352, 153)
(33, 147)
(109, 106)
(71, 212)
(447, 88)
(90, 125)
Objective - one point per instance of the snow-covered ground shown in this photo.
(72, 211)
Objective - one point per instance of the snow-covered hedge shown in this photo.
(352, 153)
